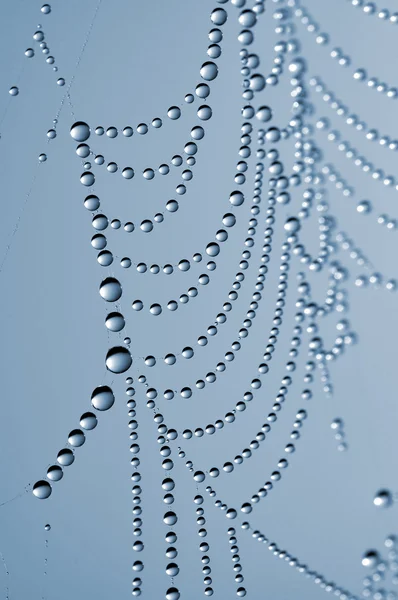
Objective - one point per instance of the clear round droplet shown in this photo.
(80, 131)
(102, 398)
(110, 289)
(118, 359)
(88, 421)
(209, 71)
(42, 489)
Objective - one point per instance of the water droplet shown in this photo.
(80, 131)
(87, 178)
(209, 71)
(110, 289)
(42, 489)
(364, 207)
(247, 18)
(65, 457)
(88, 421)
(128, 173)
(29, 52)
(13, 91)
(46, 9)
(76, 438)
(38, 36)
(174, 113)
(102, 398)
(264, 114)
(370, 559)
(172, 594)
(292, 225)
(55, 473)
(114, 322)
(383, 499)
(118, 359)
(236, 198)
(257, 82)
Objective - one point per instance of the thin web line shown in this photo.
(66, 95)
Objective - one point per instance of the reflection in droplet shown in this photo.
(76, 438)
(88, 421)
(55, 473)
(115, 322)
(118, 359)
(87, 178)
(110, 289)
(65, 457)
(80, 131)
(102, 398)
(209, 71)
(42, 489)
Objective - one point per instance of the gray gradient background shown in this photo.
(141, 58)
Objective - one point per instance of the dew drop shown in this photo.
(80, 131)
(209, 71)
(102, 398)
(42, 489)
(383, 499)
(110, 289)
(118, 359)
(88, 421)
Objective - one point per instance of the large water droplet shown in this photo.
(110, 289)
(42, 489)
(102, 398)
(209, 71)
(88, 421)
(80, 131)
(65, 457)
(87, 178)
(118, 359)
(236, 198)
(114, 321)
(55, 473)
(76, 438)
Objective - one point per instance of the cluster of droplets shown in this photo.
(382, 571)
(371, 277)
(371, 133)
(371, 8)
(295, 563)
(353, 154)
(138, 545)
(337, 426)
(204, 546)
(39, 38)
(237, 567)
(359, 74)
(102, 399)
